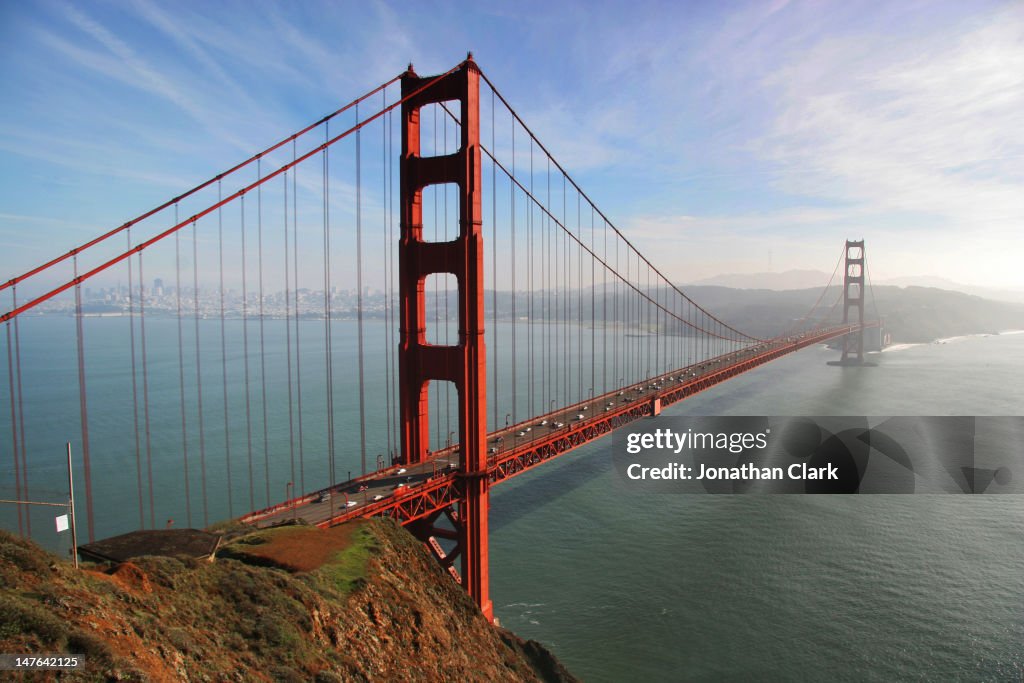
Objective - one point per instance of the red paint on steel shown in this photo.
(464, 365)
(78, 279)
(220, 176)
(440, 492)
(853, 297)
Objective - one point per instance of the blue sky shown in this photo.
(713, 133)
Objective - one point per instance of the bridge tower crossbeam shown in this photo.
(463, 364)
(853, 297)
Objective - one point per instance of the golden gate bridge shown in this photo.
(503, 322)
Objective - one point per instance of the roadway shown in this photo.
(374, 492)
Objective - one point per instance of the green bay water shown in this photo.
(630, 586)
(620, 585)
(244, 428)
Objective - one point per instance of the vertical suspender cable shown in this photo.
(328, 359)
(556, 342)
(263, 347)
(199, 374)
(566, 280)
(145, 391)
(288, 337)
(579, 296)
(83, 408)
(647, 309)
(298, 345)
(224, 351)
(359, 294)
(627, 365)
(561, 246)
(676, 360)
(512, 238)
(181, 370)
(549, 303)
(245, 362)
(494, 271)
(659, 368)
(673, 330)
(14, 428)
(134, 388)
(638, 311)
(391, 282)
(531, 258)
(21, 418)
(593, 306)
(691, 351)
(604, 311)
(615, 316)
(650, 312)
(387, 274)
(638, 322)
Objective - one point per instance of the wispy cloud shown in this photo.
(854, 126)
(936, 131)
(713, 134)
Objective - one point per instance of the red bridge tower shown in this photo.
(464, 364)
(853, 297)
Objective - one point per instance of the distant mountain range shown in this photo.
(809, 279)
(790, 279)
(910, 314)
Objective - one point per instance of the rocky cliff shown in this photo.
(361, 602)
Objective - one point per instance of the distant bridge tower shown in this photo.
(464, 364)
(853, 297)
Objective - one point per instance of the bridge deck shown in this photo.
(412, 492)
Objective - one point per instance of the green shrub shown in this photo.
(24, 555)
(286, 674)
(19, 617)
(93, 647)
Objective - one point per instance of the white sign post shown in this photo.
(71, 504)
(61, 521)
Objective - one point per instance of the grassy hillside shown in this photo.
(360, 602)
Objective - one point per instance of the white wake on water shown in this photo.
(898, 347)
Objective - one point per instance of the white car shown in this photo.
(351, 503)
(580, 416)
(401, 471)
(378, 497)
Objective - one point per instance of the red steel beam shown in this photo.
(439, 492)
(210, 209)
(464, 364)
